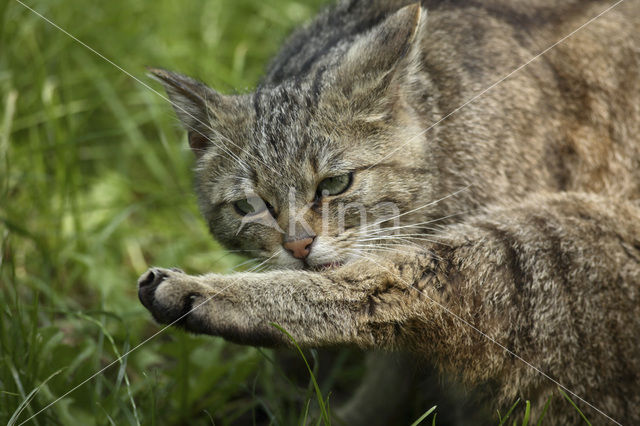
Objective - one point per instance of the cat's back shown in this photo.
(535, 23)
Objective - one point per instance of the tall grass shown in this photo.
(95, 186)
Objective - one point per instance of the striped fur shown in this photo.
(537, 242)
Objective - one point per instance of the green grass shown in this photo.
(95, 186)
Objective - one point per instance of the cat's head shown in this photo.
(306, 171)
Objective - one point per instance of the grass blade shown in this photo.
(24, 404)
(424, 416)
(323, 408)
(574, 406)
(506, 417)
(527, 413)
(544, 411)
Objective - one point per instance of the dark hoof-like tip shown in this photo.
(147, 285)
(147, 278)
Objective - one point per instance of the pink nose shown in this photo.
(300, 249)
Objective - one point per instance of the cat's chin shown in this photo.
(324, 266)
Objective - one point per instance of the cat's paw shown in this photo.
(209, 304)
(169, 294)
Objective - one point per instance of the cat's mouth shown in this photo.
(324, 266)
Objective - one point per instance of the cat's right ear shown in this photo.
(368, 68)
(197, 106)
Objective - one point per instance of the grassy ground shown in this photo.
(95, 186)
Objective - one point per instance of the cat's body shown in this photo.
(538, 182)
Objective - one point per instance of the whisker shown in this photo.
(387, 248)
(391, 236)
(418, 224)
(453, 194)
(245, 262)
(402, 238)
(394, 247)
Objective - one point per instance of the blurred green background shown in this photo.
(95, 186)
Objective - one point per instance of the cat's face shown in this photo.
(305, 172)
(305, 175)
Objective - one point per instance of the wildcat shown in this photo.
(517, 200)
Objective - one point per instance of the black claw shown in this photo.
(147, 279)
(170, 314)
(147, 287)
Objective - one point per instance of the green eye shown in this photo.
(251, 205)
(335, 185)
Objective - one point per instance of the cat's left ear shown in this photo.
(369, 66)
(202, 111)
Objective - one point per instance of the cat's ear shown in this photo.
(368, 67)
(198, 107)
